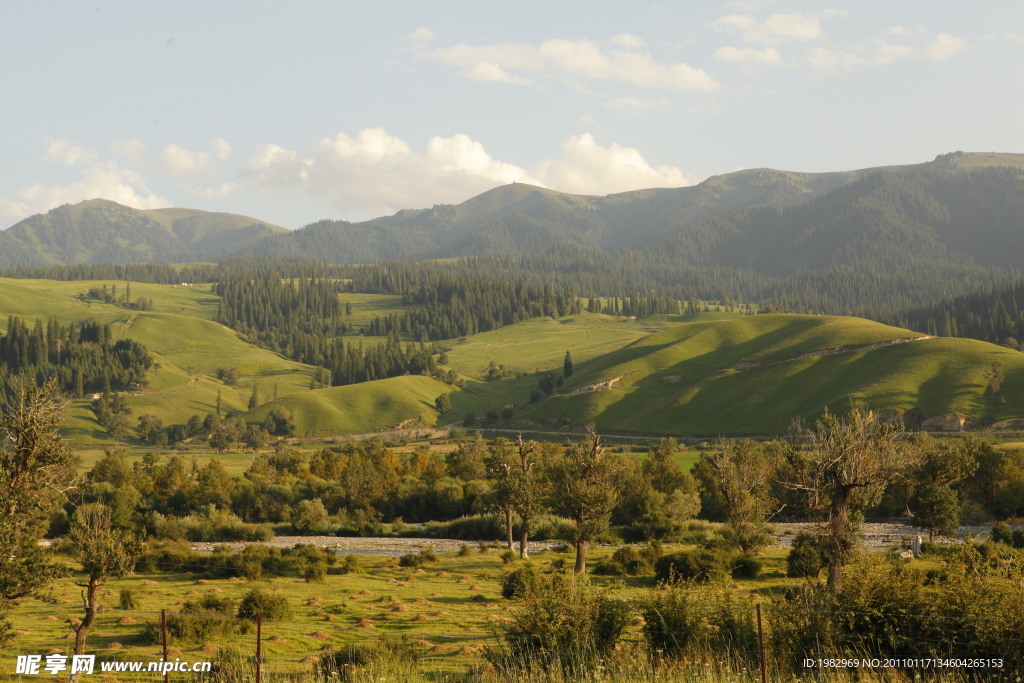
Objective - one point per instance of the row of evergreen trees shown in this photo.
(83, 358)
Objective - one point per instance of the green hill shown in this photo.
(360, 408)
(101, 231)
(756, 374)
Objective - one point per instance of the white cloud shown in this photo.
(775, 30)
(489, 72)
(875, 53)
(221, 149)
(375, 172)
(636, 104)
(589, 168)
(943, 46)
(61, 151)
(739, 55)
(106, 181)
(628, 40)
(132, 150)
(898, 31)
(115, 174)
(570, 59)
(784, 28)
(181, 162)
(733, 22)
(421, 34)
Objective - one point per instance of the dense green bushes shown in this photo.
(887, 607)
(681, 620)
(565, 624)
(252, 562)
(700, 565)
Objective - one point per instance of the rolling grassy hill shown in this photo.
(360, 408)
(756, 374)
(708, 374)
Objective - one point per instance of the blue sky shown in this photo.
(297, 111)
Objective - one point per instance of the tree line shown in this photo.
(81, 357)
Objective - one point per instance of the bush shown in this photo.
(564, 624)
(417, 559)
(128, 598)
(746, 566)
(508, 557)
(808, 557)
(316, 572)
(682, 620)
(1001, 532)
(203, 620)
(889, 608)
(699, 565)
(349, 565)
(261, 603)
(469, 528)
(630, 560)
(520, 582)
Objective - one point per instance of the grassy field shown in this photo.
(703, 375)
(360, 408)
(449, 610)
(754, 375)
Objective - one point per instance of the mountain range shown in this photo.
(880, 235)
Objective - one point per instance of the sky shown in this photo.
(297, 111)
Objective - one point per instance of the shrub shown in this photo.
(417, 559)
(128, 598)
(208, 618)
(699, 565)
(464, 550)
(746, 566)
(520, 582)
(469, 528)
(316, 572)
(681, 620)
(807, 557)
(508, 557)
(348, 565)
(1001, 532)
(564, 624)
(630, 560)
(261, 603)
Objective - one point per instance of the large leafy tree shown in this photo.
(743, 471)
(37, 471)
(844, 469)
(584, 486)
(105, 553)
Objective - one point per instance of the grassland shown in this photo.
(755, 374)
(703, 375)
(187, 345)
(449, 610)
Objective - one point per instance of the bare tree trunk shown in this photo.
(89, 600)
(508, 527)
(581, 557)
(524, 538)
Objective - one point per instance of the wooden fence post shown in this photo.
(163, 638)
(760, 646)
(259, 648)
